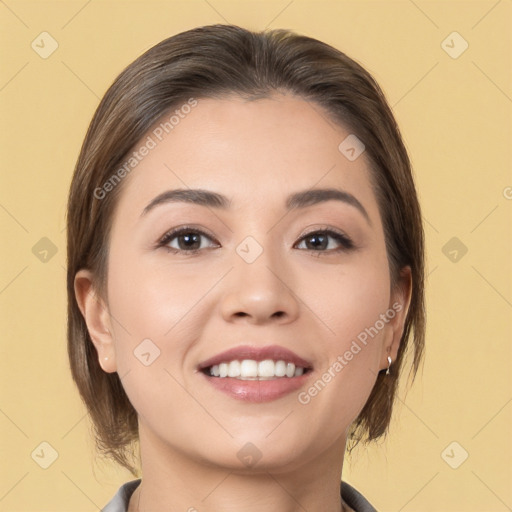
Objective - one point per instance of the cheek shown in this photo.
(351, 300)
(152, 301)
(159, 316)
(154, 321)
(350, 306)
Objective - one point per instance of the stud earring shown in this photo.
(389, 365)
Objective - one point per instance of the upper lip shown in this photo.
(274, 352)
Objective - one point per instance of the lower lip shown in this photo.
(257, 391)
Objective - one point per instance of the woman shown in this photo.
(245, 272)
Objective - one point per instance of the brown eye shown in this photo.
(319, 241)
(185, 240)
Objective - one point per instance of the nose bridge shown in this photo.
(259, 285)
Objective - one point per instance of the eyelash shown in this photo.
(345, 242)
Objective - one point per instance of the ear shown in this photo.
(400, 300)
(97, 317)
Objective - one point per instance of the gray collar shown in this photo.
(352, 497)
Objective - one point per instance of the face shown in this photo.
(210, 302)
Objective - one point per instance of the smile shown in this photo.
(256, 374)
(250, 369)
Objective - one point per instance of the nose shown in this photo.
(260, 292)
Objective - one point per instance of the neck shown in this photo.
(173, 480)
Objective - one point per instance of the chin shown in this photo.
(259, 452)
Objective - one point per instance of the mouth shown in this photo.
(250, 369)
(256, 374)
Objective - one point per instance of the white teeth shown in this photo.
(234, 369)
(266, 368)
(223, 370)
(280, 369)
(249, 369)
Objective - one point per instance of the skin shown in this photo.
(194, 307)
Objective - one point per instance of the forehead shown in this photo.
(254, 152)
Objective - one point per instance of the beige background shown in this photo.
(455, 114)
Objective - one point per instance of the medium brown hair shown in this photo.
(211, 62)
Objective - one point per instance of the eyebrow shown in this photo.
(300, 199)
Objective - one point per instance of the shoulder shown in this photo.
(119, 503)
(354, 499)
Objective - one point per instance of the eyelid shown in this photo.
(346, 241)
(173, 232)
(321, 228)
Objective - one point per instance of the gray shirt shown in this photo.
(353, 498)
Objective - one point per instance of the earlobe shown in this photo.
(97, 318)
(400, 302)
